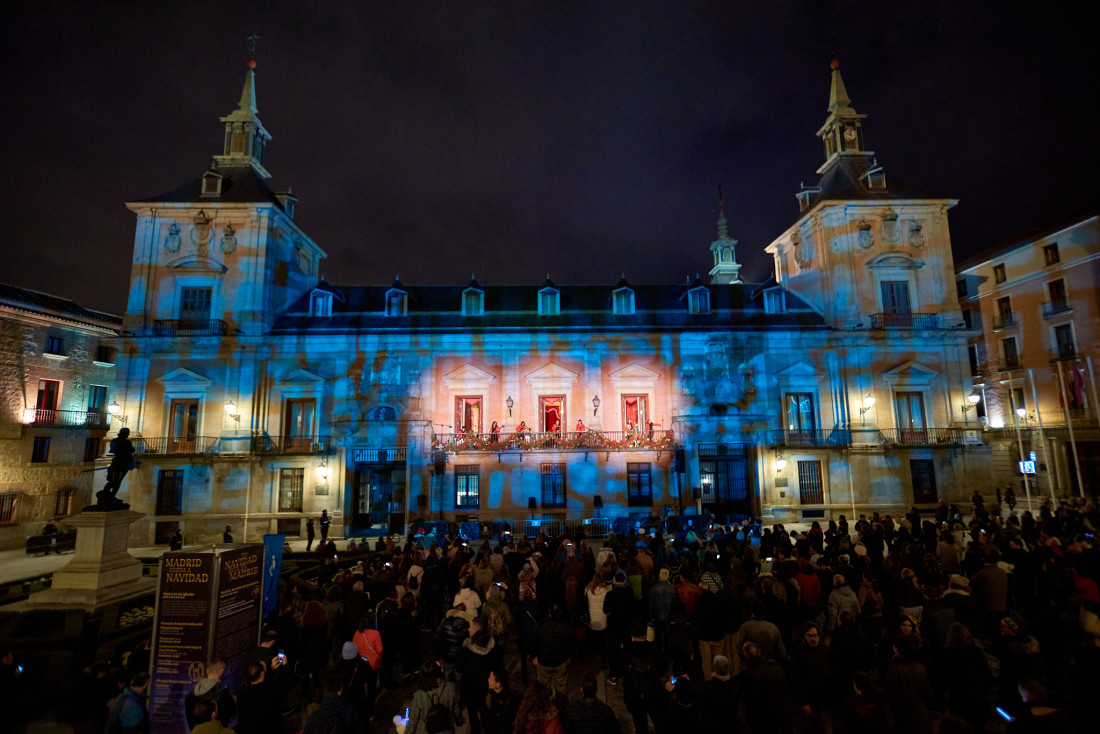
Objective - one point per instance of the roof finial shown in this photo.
(723, 230)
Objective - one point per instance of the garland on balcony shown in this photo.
(590, 439)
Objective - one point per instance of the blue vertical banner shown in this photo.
(273, 566)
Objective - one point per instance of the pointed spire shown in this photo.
(248, 94)
(838, 95)
(245, 137)
(726, 269)
(723, 230)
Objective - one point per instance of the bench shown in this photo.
(56, 543)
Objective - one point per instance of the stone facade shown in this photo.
(57, 374)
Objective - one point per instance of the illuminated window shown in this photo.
(9, 501)
(639, 488)
(468, 413)
(553, 485)
(635, 412)
(467, 486)
(811, 490)
(1050, 254)
(699, 301)
(183, 426)
(798, 410)
(320, 304)
(300, 416)
(291, 482)
(623, 301)
(63, 502)
(549, 302)
(998, 273)
(40, 452)
(473, 302)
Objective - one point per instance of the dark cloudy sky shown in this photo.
(587, 139)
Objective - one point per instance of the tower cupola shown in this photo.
(842, 132)
(726, 269)
(245, 137)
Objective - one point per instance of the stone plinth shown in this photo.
(102, 571)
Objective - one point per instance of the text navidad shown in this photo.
(184, 571)
(243, 567)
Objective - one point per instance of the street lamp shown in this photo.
(780, 463)
(509, 402)
(973, 399)
(231, 410)
(595, 405)
(868, 403)
(113, 411)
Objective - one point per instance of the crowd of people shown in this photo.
(919, 623)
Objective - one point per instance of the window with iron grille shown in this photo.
(639, 488)
(163, 531)
(553, 485)
(811, 490)
(91, 449)
(291, 527)
(467, 486)
(63, 502)
(8, 504)
(40, 452)
(170, 492)
(923, 473)
(291, 482)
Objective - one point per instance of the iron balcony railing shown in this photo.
(1053, 308)
(552, 441)
(1004, 321)
(913, 321)
(922, 437)
(816, 437)
(1064, 353)
(291, 444)
(189, 327)
(1007, 364)
(70, 418)
(591, 527)
(170, 445)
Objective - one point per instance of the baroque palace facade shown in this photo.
(259, 394)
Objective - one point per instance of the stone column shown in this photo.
(102, 570)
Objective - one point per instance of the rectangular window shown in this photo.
(811, 490)
(1004, 312)
(1018, 401)
(320, 304)
(170, 492)
(291, 482)
(552, 413)
(468, 413)
(1012, 359)
(775, 301)
(968, 318)
(395, 303)
(635, 412)
(104, 353)
(195, 307)
(48, 393)
(895, 296)
(960, 288)
(298, 431)
(473, 303)
(1050, 254)
(624, 302)
(909, 411)
(549, 302)
(467, 486)
(553, 485)
(998, 274)
(40, 453)
(1058, 295)
(163, 531)
(699, 301)
(975, 363)
(798, 410)
(8, 504)
(97, 399)
(63, 502)
(1063, 341)
(291, 527)
(183, 426)
(53, 345)
(639, 488)
(923, 473)
(91, 449)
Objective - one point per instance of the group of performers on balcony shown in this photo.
(523, 433)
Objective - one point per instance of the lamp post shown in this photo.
(113, 411)
(595, 405)
(509, 402)
(868, 403)
(972, 402)
(231, 411)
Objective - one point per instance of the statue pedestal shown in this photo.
(102, 571)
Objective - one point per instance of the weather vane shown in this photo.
(252, 43)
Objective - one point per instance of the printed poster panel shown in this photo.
(180, 635)
(237, 624)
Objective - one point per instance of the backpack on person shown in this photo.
(414, 582)
(494, 620)
(439, 717)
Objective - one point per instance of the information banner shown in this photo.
(237, 624)
(181, 635)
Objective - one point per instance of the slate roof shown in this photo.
(240, 185)
(25, 299)
(583, 308)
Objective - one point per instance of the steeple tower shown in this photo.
(726, 269)
(245, 136)
(842, 132)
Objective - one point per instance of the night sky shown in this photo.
(512, 139)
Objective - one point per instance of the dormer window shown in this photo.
(699, 301)
(211, 184)
(473, 302)
(775, 301)
(549, 302)
(623, 302)
(397, 302)
(320, 304)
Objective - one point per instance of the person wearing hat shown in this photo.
(618, 604)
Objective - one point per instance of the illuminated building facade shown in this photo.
(57, 370)
(1035, 302)
(260, 394)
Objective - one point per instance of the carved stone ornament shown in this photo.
(687, 381)
(916, 234)
(799, 251)
(229, 239)
(891, 231)
(865, 238)
(173, 241)
(201, 234)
